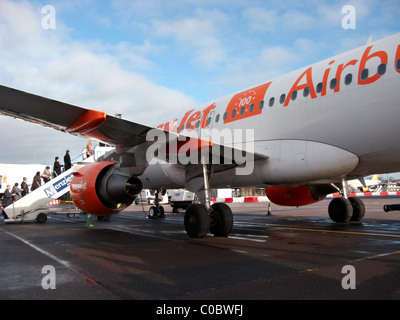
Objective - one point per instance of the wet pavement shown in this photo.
(296, 253)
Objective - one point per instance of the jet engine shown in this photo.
(298, 196)
(100, 189)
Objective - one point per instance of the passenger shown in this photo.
(57, 167)
(8, 197)
(16, 191)
(36, 183)
(67, 161)
(24, 187)
(46, 175)
(89, 149)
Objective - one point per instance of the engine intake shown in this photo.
(100, 189)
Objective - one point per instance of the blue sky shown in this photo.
(148, 59)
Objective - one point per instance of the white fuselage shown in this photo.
(335, 119)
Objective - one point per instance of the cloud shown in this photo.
(51, 64)
(198, 35)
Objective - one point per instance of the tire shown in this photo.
(41, 218)
(358, 209)
(221, 220)
(340, 210)
(197, 221)
(153, 212)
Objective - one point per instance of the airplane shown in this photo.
(365, 185)
(301, 136)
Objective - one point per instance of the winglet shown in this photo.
(88, 121)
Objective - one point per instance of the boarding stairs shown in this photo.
(31, 207)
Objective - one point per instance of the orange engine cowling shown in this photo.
(298, 196)
(100, 189)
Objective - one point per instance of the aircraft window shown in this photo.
(382, 69)
(333, 83)
(348, 79)
(183, 128)
(320, 86)
(198, 124)
(364, 74)
(242, 110)
(251, 108)
(233, 113)
(188, 126)
(294, 95)
(271, 101)
(225, 115)
(306, 91)
(208, 121)
(217, 118)
(282, 98)
(398, 64)
(261, 105)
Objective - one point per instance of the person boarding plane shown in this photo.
(301, 136)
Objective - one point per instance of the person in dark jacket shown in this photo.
(57, 167)
(8, 197)
(36, 183)
(67, 161)
(24, 187)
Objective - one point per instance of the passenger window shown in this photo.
(282, 98)
(233, 113)
(251, 108)
(382, 69)
(261, 105)
(333, 83)
(271, 101)
(348, 79)
(294, 95)
(306, 91)
(208, 121)
(320, 86)
(242, 110)
(217, 118)
(398, 65)
(198, 124)
(364, 74)
(225, 115)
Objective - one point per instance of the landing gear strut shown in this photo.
(204, 217)
(346, 208)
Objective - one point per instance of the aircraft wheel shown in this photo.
(358, 209)
(340, 210)
(221, 220)
(197, 221)
(156, 213)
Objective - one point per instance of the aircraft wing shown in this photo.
(71, 119)
(128, 137)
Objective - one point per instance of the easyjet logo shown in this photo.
(250, 103)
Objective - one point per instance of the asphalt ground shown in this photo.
(293, 254)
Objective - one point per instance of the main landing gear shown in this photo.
(346, 209)
(202, 218)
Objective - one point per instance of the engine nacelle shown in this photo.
(298, 196)
(100, 189)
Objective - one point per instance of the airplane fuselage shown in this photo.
(337, 118)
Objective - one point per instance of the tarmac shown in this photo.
(292, 254)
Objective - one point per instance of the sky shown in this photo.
(148, 59)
